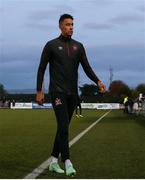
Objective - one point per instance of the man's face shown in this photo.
(66, 27)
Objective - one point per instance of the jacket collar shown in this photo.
(63, 38)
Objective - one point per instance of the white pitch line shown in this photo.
(74, 140)
(37, 171)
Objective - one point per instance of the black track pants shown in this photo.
(63, 106)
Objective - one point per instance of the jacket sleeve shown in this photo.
(45, 58)
(85, 64)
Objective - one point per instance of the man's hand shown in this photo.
(101, 86)
(40, 97)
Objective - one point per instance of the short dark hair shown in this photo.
(65, 16)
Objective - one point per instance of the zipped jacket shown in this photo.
(64, 55)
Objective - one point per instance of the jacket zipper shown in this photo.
(68, 50)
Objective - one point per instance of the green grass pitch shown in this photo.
(113, 148)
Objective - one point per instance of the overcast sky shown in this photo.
(112, 31)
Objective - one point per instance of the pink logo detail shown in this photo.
(57, 101)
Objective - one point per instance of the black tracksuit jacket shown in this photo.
(63, 55)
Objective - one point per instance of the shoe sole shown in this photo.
(71, 174)
(52, 170)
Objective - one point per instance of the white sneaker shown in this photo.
(81, 116)
(70, 171)
(54, 167)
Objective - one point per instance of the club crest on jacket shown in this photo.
(58, 101)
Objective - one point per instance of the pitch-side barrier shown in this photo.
(23, 105)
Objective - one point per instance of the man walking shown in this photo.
(78, 105)
(64, 55)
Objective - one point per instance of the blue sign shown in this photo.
(44, 106)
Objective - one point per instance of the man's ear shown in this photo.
(60, 26)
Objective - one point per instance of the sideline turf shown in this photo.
(114, 148)
(26, 138)
(116, 145)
